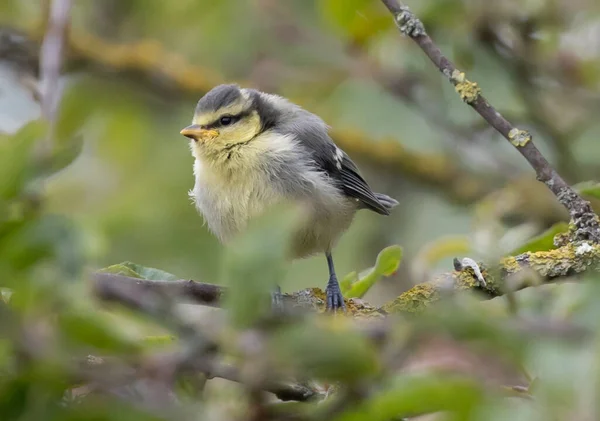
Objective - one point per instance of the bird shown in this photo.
(254, 150)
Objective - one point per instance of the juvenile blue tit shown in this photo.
(253, 150)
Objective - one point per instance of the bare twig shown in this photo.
(283, 391)
(146, 296)
(587, 226)
(51, 56)
(113, 372)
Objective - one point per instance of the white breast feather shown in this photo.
(228, 196)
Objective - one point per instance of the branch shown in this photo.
(547, 266)
(586, 223)
(283, 391)
(51, 55)
(514, 273)
(146, 295)
(114, 372)
(113, 287)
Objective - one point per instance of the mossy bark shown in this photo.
(548, 265)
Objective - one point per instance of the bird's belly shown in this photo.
(228, 211)
(227, 204)
(322, 229)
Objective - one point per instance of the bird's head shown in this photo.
(227, 115)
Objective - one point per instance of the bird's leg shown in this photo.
(335, 299)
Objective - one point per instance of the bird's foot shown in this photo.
(277, 301)
(335, 299)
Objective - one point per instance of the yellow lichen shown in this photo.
(465, 279)
(316, 298)
(549, 264)
(510, 264)
(468, 91)
(415, 299)
(570, 259)
(519, 137)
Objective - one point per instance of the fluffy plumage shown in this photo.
(263, 150)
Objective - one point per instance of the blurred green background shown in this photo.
(132, 73)
(135, 69)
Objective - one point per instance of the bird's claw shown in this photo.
(335, 299)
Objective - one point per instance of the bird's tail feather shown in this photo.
(386, 201)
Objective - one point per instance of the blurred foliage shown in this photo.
(107, 181)
(140, 272)
(544, 241)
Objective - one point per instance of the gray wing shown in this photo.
(355, 186)
(311, 131)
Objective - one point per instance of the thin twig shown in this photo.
(284, 391)
(51, 56)
(146, 296)
(587, 226)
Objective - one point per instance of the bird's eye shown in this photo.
(226, 120)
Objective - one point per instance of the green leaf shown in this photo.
(588, 188)
(359, 19)
(67, 141)
(121, 269)
(16, 158)
(388, 260)
(159, 340)
(416, 395)
(150, 274)
(347, 281)
(44, 237)
(255, 263)
(91, 329)
(329, 350)
(386, 264)
(64, 153)
(544, 241)
(134, 270)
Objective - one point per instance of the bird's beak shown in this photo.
(196, 132)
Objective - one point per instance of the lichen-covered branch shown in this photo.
(585, 221)
(568, 260)
(547, 266)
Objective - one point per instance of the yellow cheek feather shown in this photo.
(242, 131)
(233, 147)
